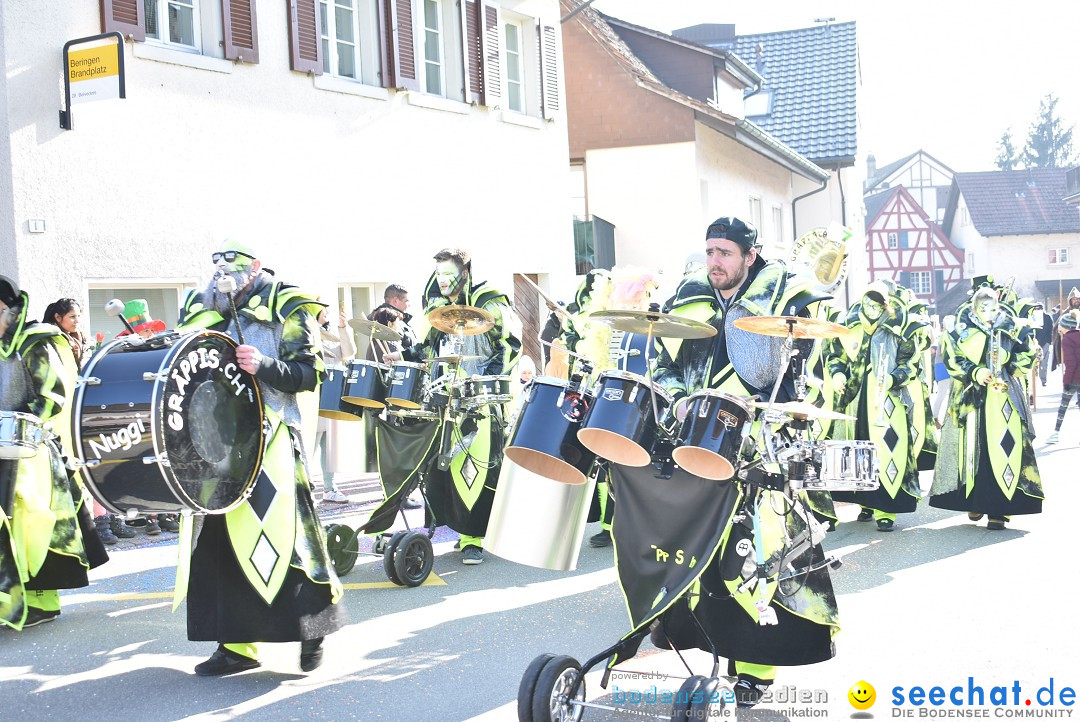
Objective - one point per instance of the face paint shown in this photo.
(449, 277)
(7, 317)
(872, 309)
(986, 310)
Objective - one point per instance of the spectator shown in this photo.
(1070, 355)
(1044, 336)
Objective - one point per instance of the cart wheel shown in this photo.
(413, 558)
(553, 682)
(342, 546)
(711, 699)
(378, 544)
(388, 557)
(528, 686)
(684, 698)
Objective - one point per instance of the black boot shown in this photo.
(119, 528)
(311, 654)
(101, 524)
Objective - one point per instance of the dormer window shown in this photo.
(758, 104)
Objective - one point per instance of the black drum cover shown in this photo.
(168, 424)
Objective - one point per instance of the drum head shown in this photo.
(703, 462)
(545, 465)
(211, 425)
(614, 447)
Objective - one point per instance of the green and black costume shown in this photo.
(261, 573)
(49, 543)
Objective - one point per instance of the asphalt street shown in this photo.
(934, 603)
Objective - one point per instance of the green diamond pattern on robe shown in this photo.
(468, 472)
(891, 470)
(264, 558)
(890, 406)
(262, 495)
(1007, 442)
(1007, 410)
(1008, 476)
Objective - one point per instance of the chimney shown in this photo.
(871, 166)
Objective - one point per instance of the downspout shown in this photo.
(843, 220)
(794, 225)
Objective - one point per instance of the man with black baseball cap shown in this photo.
(768, 629)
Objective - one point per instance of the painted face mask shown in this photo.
(872, 309)
(986, 310)
(449, 277)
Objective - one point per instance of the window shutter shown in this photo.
(386, 43)
(549, 71)
(403, 45)
(905, 279)
(126, 17)
(473, 51)
(492, 68)
(305, 36)
(241, 31)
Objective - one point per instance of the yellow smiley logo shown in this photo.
(862, 695)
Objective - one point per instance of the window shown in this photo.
(1059, 256)
(920, 282)
(173, 22)
(340, 39)
(758, 104)
(777, 229)
(971, 261)
(164, 303)
(513, 34)
(892, 241)
(432, 44)
(755, 212)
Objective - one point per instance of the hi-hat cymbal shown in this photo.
(464, 320)
(452, 359)
(798, 326)
(802, 411)
(661, 324)
(377, 331)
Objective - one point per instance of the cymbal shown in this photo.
(329, 335)
(799, 327)
(452, 359)
(377, 331)
(802, 411)
(664, 325)
(464, 320)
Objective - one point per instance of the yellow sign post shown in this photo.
(94, 71)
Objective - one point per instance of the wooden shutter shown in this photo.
(527, 305)
(305, 36)
(241, 31)
(126, 17)
(473, 51)
(491, 74)
(549, 69)
(402, 42)
(386, 43)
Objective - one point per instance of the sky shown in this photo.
(945, 76)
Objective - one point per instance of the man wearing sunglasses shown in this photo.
(257, 573)
(47, 537)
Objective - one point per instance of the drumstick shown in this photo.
(381, 345)
(552, 305)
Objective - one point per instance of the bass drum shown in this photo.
(168, 424)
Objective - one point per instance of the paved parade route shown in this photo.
(931, 604)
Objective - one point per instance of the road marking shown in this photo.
(433, 580)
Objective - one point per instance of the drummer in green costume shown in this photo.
(872, 364)
(260, 573)
(756, 628)
(49, 542)
(986, 463)
(461, 493)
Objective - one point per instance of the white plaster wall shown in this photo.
(332, 188)
(964, 235)
(1026, 259)
(651, 195)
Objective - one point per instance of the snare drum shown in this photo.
(332, 405)
(544, 439)
(407, 384)
(168, 424)
(620, 425)
(844, 466)
(712, 434)
(481, 390)
(20, 435)
(365, 384)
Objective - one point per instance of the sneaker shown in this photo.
(168, 522)
(885, 524)
(119, 528)
(35, 616)
(748, 694)
(223, 662)
(1052, 438)
(101, 525)
(472, 555)
(311, 654)
(603, 539)
(335, 497)
(152, 528)
(411, 502)
(865, 515)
